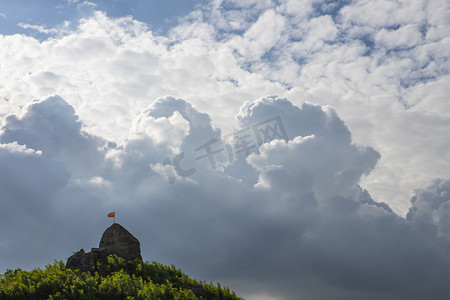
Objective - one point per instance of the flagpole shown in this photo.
(112, 215)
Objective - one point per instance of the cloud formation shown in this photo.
(381, 65)
(281, 205)
(296, 219)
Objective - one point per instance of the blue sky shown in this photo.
(159, 15)
(112, 105)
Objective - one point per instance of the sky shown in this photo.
(287, 149)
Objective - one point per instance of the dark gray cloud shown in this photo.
(43, 153)
(430, 208)
(52, 127)
(286, 220)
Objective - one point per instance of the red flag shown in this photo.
(112, 214)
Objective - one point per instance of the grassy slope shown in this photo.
(118, 279)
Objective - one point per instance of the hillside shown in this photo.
(116, 279)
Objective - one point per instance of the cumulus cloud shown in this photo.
(329, 53)
(281, 204)
(51, 127)
(430, 208)
(301, 225)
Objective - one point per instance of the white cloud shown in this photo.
(300, 9)
(319, 141)
(404, 37)
(261, 36)
(163, 130)
(382, 66)
(14, 147)
(88, 4)
(384, 13)
(81, 4)
(60, 30)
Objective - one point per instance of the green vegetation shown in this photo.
(118, 279)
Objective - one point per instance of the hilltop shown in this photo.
(115, 270)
